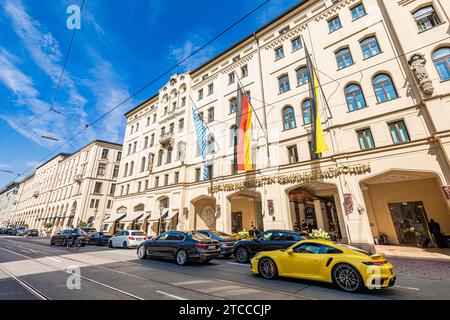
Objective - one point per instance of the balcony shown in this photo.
(166, 139)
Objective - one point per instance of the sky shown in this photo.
(121, 47)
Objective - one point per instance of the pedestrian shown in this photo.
(435, 230)
(296, 227)
(304, 226)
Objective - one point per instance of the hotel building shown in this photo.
(384, 69)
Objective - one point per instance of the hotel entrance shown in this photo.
(246, 211)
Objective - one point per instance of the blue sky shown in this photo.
(122, 45)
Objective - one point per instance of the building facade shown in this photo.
(7, 200)
(70, 189)
(384, 69)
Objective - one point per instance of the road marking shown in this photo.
(170, 295)
(239, 264)
(191, 282)
(407, 288)
(53, 259)
(26, 286)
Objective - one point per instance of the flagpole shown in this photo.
(204, 122)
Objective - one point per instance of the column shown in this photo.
(319, 215)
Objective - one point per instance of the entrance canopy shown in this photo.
(115, 217)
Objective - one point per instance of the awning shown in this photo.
(132, 216)
(171, 215)
(115, 217)
(145, 217)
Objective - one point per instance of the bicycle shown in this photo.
(75, 245)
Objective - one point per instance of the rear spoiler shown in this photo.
(378, 256)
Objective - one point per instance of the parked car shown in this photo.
(127, 239)
(99, 239)
(181, 246)
(66, 237)
(2, 230)
(348, 268)
(9, 231)
(89, 230)
(226, 241)
(270, 240)
(17, 231)
(31, 233)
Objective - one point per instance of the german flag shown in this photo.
(318, 143)
(244, 117)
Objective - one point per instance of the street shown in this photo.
(31, 269)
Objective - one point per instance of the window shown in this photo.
(369, 47)
(152, 140)
(180, 125)
(289, 118)
(355, 97)
(121, 190)
(129, 149)
(156, 182)
(137, 127)
(116, 171)
(334, 24)
(148, 122)
(302, 76)
(200, 94)
(244, 71)
(441, 60)
(131, 168)
(146, 184)
(119, 156)
(183, 101)
(166, 179)
(210, 171)
(101, 170)
(296, 44)
(160, 157)
(344, 58)
(233, 135)
(169, 155)
(132, 129)
(293, 154)
(308, 248)
(165, 110)
(210, 115)
(172, 128)
(105, 153)
(233, 105)
(112, 191)
(365, 139)
(384, 88)
(231, 78)
(279, 53)
(98, 187)
(426, 18)
(128, 188)
(210, 141)
(154, 118)
(135, 147)
(177, 177)
(143, 162)
(125, 172)
(398, 132)
(109, 205)
(197, 174)
(283, 84)
(306, 111)
(145, 142)
(358, 12)
(211, 89)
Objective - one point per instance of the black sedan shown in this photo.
(267, 241)
(226, 241)
(31, 233)
(181, 246)
(99, 239)
(69, 236)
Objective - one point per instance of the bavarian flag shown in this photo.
(244, 117)
(318, 143)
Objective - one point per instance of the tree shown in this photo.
(83, 224)
(48, 225)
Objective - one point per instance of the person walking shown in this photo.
(435, 230)
(296, 227)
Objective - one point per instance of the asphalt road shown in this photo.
(32, 269)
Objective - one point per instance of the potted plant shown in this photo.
(319, 235)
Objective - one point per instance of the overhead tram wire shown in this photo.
(149, 84)
(58, 87)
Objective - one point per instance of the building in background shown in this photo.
(70, 189)
(385, 111)
(7, 201)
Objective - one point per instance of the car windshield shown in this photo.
(198, 236)
(137, 233)
(346, 246)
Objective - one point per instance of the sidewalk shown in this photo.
(419, 262)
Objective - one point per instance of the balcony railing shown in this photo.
(166, 139)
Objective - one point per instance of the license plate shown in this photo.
(139, 239)
(211, 247)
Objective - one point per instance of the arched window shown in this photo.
(289, 118)
(125, 172)
(233, 135)
(169, 155)
(160, 157)
(306, 111)
(384, 88)
(426, 18)
(355, 97)
(143, 162)
(441, 59)
(283, 84)
(370, 47)
(233, 105)
(131, 168)
(302, 76)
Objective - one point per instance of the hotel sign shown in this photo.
(294, 178)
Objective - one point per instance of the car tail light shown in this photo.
(132, 238)
(375, 263)
(201, 246)
(145, 238)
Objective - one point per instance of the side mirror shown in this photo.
(290, 252)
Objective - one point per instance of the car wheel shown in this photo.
(207, 261)
(242, 255)
(182, 258)
(64, 244)
(347, 278)
(142, 254)
(52, 243)
(268, 269)
(125, 245)
(110, 244)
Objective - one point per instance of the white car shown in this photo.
(127, 239)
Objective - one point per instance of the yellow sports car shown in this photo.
(349, 268)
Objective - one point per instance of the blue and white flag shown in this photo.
(200, 130)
